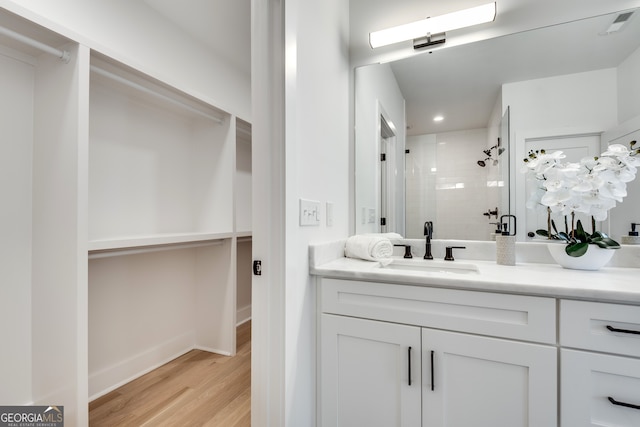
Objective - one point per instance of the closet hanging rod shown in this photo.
(148, 91)
(63, 55)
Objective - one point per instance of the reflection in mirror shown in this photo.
(552, 84)
(448, 172)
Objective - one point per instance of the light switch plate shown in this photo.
(309, 212)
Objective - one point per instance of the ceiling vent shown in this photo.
(620, 20)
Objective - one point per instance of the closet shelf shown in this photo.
(155, 240)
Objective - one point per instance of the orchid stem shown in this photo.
(573, 228)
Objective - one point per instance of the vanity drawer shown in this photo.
(587, 325)
(590, 380)
(508, 316)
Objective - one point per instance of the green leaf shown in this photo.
(611, 244)
(542, 233)
(577, 249)
(599, 234)
(580, 233)
(563, 236)
(601, 244)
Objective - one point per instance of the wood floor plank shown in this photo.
(195, 389)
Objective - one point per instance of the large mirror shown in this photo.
(573, 86)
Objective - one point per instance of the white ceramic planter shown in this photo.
(594, 259)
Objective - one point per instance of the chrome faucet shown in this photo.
(428, 232)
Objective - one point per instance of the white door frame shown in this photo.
(386, 207)
(268, 213)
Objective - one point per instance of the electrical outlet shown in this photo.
(309, 212)
(372, 216)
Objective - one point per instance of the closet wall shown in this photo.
(122, 229)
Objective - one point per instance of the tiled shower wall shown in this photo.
(445, 184)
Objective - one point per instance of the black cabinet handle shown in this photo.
(624, 331)
(626, 405)
(409, 356)
(433, 382)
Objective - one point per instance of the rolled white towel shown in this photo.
(390, 236)
(369, 247)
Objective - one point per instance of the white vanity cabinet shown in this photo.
(476, 358)
(370, 373)
(482, 381)
(600, 364)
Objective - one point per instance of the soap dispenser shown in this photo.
(498, 231)
(506, 241)
(632, 238)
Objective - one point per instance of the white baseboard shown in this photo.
(122, 372)
(243, 315)
(212, 350)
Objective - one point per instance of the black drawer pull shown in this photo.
(624, 331)
(409, 353)
(626, 405)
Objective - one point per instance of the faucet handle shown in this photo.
(449, 252)
(407, 251)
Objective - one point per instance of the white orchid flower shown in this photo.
(617, 150)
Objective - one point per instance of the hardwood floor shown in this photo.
(196, 389)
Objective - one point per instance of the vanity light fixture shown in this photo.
(438, 118)
(431, 30)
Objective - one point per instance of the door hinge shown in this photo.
(383, 157)
(407, 151)
(383, 221)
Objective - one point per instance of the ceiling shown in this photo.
(461, 80)
(224, 26)
(463, 84)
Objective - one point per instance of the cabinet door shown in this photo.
(477, 381)
(370, 373)
(588, 381)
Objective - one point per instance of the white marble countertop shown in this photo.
(610, 284)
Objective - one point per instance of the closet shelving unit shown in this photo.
(162, 270)
(127, 211)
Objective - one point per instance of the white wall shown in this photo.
(563, 102)
(629, 87)
(133, 33)
(317, 165)
(16, 186)
(243, 282)
(375, 86)
(421, 178)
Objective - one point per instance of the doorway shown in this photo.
(387, 159)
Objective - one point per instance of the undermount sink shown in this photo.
(431, 266)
